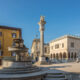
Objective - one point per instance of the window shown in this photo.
(13, 35)
(62, 45)
(1, 53)
(0, 44)
(56, 46)
(13, 54)
(45, 50)
(0, 33)
(72, 44)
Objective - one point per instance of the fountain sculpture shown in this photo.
(20, 67)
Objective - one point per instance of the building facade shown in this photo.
(65, 48)
(7, 35)
(35, 50)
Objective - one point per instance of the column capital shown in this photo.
(42, 22)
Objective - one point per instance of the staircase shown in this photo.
(55, 76)
(19, 70)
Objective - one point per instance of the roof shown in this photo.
(11, 28)
(36, 40)
(66, 36)
(6, 27)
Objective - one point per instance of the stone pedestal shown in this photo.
(20, 67)
(16, 64)
(42, 60)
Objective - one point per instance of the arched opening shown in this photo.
(57, 56)
(72, 55)
(68, 55)
(47, 59)
(64, 55)
(51, 56)
(75, 55)
(54, 55)
(36, 58)
(60, 55)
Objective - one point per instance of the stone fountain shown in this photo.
(20, 67)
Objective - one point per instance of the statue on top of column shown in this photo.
(42, 21)
(42, 18)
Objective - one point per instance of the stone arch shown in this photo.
(69, 55)
(60, 55)
(51, 56)
(56, 55)
(64, 55)
(47, 59)
(75, 55)
(72, 55)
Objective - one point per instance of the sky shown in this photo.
(62, 17)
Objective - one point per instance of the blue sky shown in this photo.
(62, 17)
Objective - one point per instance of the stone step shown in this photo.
(20, 69)
(55, 79)
(19, 72)
(55, 76)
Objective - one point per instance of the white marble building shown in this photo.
(65, 48)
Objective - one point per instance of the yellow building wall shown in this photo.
(7, 40)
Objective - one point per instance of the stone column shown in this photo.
(17, 57)
(41, 41)
(70, 56)
(42, 24)
(67, 56)
(62, 57)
